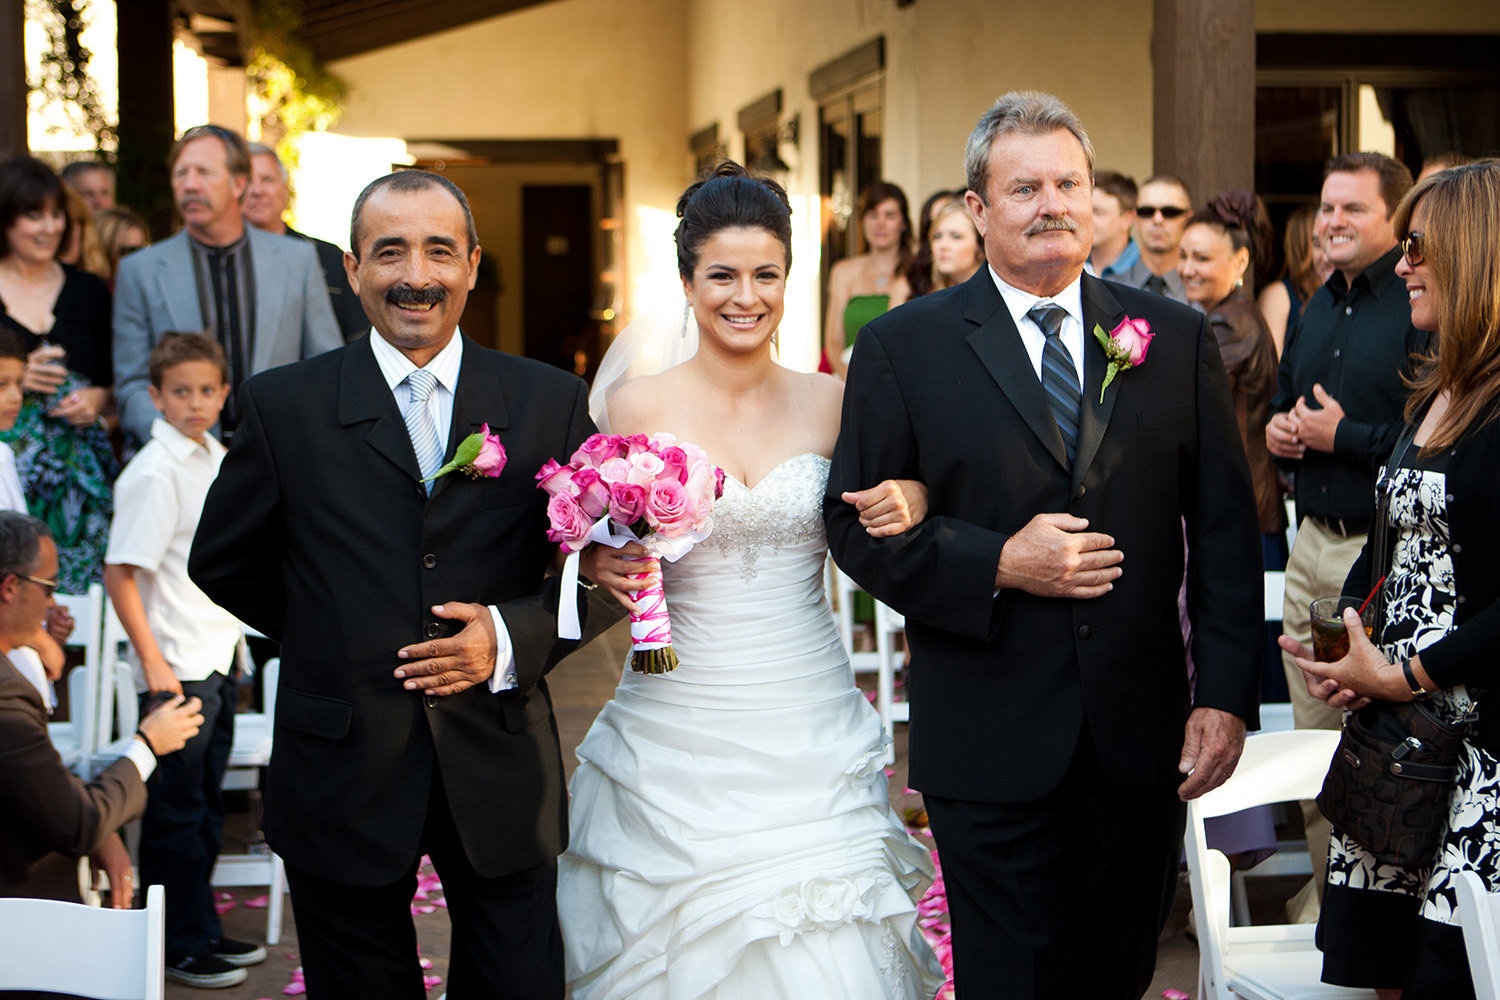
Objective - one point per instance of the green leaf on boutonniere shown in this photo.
(480, 455)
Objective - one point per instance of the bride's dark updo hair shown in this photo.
(729, 198)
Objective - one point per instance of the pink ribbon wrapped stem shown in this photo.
(651, 633)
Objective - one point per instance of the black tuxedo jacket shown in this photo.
(318, 534)
(942, 390)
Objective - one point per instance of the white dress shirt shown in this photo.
(444, 367)
(158, 501)
(1070, 299)
(12, 495)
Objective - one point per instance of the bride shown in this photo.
(731, 832)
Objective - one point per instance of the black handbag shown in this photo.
(1392, 778)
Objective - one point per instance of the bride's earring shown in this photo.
(687, 308)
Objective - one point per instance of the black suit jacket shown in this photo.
(346, 305)
(318, 534)
(942, 390)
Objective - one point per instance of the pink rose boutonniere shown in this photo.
(478, 456)
(1125, 346)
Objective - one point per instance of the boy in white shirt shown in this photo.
(184, 644)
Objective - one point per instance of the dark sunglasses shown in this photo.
(50, 586)
(1411, 247)
(1167, 211)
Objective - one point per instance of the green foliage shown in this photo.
(293, 92)
(64, 71)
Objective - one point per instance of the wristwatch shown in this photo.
(1418, 692)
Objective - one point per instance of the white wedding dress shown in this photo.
(731, 832)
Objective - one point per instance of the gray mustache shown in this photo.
(1060, 224)
(405, 295)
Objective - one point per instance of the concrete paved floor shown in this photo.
(580, 687)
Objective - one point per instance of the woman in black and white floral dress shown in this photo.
(1384, 927)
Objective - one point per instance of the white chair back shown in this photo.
(1479, 914)
(1267, 962)
(84, 700)
(82, 950)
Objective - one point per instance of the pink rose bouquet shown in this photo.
(616, 490)
(1125, 346)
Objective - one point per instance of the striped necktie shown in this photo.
(1059, 377)
(424, 435)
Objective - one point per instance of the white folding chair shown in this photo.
(1267, 962)
(83, 950)
(250, 753)
(1275, 717)
(841, 591)
(888, 625)
(885, 659)
(69, 738)
(1479, 915)
(77, 738)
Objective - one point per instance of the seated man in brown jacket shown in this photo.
(48, 817)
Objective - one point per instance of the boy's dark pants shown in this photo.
(184, 821)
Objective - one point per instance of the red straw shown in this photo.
(1361, 611)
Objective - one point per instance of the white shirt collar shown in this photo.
(1019, 303)
(395, 366)
(179, 445)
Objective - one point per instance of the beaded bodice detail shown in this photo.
(784, 509)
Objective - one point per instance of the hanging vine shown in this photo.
(292, 92)
(63, 78)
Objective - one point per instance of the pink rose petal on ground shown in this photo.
(291, 956)
(441, 902)
(870, 696)
(419, 910)
(258, 903)
(1175, 995)
(295, 988)
(425, 963)
(890, 771)
(221, 896)
(223, 908)
(910, 791)
(428, 982)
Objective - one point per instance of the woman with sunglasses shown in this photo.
(1384, 927)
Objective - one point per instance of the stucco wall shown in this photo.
(945, 63)
(568, 69)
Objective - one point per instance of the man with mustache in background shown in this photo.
(260, 295)
(408, 720)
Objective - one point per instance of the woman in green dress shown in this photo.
(862, 287)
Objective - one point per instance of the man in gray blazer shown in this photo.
(262, 296)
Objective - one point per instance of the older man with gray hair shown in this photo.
(266, 202)
(1054, 733)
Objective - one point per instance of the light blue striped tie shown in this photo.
(424, 436)
(1059, 377)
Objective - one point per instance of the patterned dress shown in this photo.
(1383, 926)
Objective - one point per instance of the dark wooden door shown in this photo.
(558, 263)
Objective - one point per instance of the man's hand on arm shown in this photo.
(448, 666)
(1317, 427)
(1281, 436)
(1211, 746)
(1055, 556)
